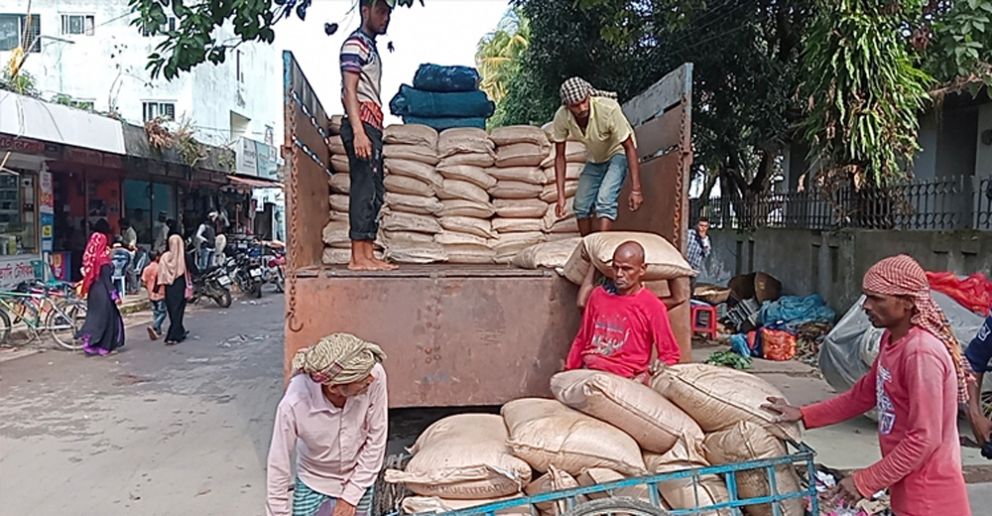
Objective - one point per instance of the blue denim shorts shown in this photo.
(599, 188)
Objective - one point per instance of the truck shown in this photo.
(467, 335)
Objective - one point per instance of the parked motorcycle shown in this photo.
(274, 270)
(214, 283)
(246, 273)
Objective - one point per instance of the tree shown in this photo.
(193, 40)
(498, 54)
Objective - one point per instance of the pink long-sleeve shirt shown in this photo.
(339, 450)
(913, 385)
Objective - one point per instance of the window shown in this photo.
(77, 24)
(166, 26)
(17, 223)
(154, 109)
(14, 28)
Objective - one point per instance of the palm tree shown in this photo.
(498, 54)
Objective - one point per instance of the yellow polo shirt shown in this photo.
(608, 128)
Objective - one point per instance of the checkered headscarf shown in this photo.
(903, 276)
(577, 89)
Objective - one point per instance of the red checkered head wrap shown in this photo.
(903, 276)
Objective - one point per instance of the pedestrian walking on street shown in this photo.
(916, 383)
(174, 284)
(103, 330)
(336, 409)
(149, 278)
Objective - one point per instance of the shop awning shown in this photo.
(253, 183)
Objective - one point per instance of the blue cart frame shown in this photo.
(802, 454)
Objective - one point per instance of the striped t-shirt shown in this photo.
(360, 55)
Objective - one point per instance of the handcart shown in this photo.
(801, 458)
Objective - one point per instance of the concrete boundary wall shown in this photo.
(833, 263)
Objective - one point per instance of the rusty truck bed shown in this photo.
(446, 270)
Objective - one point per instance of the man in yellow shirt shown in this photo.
(595, 118)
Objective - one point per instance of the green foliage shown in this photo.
(957, 45)
(864, 93)
(22, 83)
(498, 54)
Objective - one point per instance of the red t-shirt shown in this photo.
(914, 387)
(617, 333)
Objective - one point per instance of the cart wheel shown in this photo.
(387, 497)
(617, 507)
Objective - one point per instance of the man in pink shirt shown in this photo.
(916, 383)
(620, 329)
(333, 416)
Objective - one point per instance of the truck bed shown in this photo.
(439, 270)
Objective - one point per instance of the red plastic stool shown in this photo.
(703, 317)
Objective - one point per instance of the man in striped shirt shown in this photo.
(361, 132)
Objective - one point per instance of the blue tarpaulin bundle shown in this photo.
(429, 104)
(440, 124)
(445, 79)
(790, 312)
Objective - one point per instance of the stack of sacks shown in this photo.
(463, 458)
(520, 211)
(465, 207)
(408, 224)
(664, 262)
(337, 245)
(575, 162)
(443, 97)
(547, 255)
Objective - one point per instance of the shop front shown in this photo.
(25, 187)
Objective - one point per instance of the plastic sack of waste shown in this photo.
(792, 311)
(849, 349)
(460, 104)
(434, 77)
(440, 124)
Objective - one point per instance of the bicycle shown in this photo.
(43, 310)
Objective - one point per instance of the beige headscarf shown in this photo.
(338, 358)
(172, 263)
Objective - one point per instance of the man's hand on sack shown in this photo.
(786, 413)
(845, 491)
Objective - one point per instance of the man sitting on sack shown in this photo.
(595, 118)
(622, 326)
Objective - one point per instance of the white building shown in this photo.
(88, 52)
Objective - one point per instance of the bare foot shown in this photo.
(360, 265)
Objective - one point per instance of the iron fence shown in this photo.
(961, 202)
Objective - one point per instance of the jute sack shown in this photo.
(515, 190)
(520, 155)
(553, 480)
(597, 476)
(411, 252)
(566, 228)
(501, 225)
(340, 202)
(479, 227)
(663, 260)
(334, 124)
(416, 170)
(529, 175)
(340, 183)
(680, 493)
(463, 457)
(412, 134)
(654, 422)
(418, 153)
(508, 135)
(433, 504)
(550, 255)
(407, 185)
(509, 244)
(464, 141)
(719, 397)
(336, 145)
(466, 208)
(550, 192)
(572, 172)
(454, 189)
(457, 238)
(546, 433)
(551, 214)
(339, 163)
(469, 253)
(745, 442)
(335, 256)
(520, 208)
(400, 221)
(575, 152)
(406, 237)
(418, 204)
(468, 173)
(475, 159)
(556, 237)
(335, 234)
(339, 216)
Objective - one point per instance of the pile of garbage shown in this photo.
(600, 428)
(443, 97)
(462, 196)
